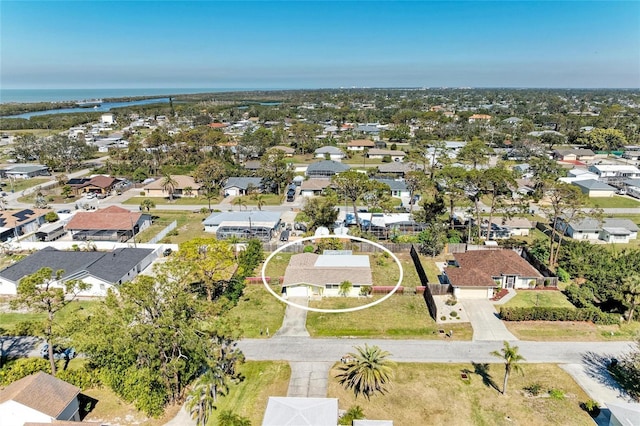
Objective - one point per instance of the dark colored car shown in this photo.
(167, 251)
(58, 352)
(284, 236)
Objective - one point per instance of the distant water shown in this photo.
(60, 95)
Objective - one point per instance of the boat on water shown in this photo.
(89, 103)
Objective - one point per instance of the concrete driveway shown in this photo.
(309, 379)
(295, 320)
(485, 322)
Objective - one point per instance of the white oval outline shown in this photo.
(331, 311)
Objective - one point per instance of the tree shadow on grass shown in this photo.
(597, 367)
(482, 370)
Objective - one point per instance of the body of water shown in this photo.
(62, 95)
(104, 107)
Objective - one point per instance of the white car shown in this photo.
(91, 195)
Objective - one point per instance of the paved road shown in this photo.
(484, 318)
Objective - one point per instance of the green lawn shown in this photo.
(435, 394)
(267, 199)
(249, 398)
(9, 319)
(542, 298)
(189, 226)
(612, 202)
(257, 311)
(22, 184)
(399, 317)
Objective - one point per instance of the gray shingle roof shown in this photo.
(329, 150)
(108, 266)
(328, 166)
(594, 185)
(243, 182)
(394, 185)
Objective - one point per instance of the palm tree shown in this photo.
(229, 418)
(204, 395)
(368, 372)
(240, 201)
(631, 292)
(187, 191)
(169, 184)
(345, 288)
(511, 359)
(147, 204)
(259, 199)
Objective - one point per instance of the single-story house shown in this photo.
(631, 155)
(478, 273)
(574, 154)
(595, 188)
(611, 230)
(395, 155)
(310, 274)
(39, 397)
(299, 411)
(480, 118)
(325, 169)
(14, 224)
(333, 152)
(398, 188)
(288, 151)
(314, 187)
(503, 227)
(397, 169)
(109, 224)
(252, 165)
(97, 184)
(185, 186)
(624, 413)
(619, 171)
(243, 224)
(360, 145)
(243, 185)
(25, 171)
(368, 129)
(101, 270)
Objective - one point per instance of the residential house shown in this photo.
(482, 118)
(41, 398)
(107, 118)
(15, 224)
(301, 411)
(97, 184)
(477, 274)
(101, 270)
(310, 274)
(611, 230)
(397, 170)
(25, 171)
(109, 224)
(595, 188)
(503, 227)
(326, 168)
(615, 172)
(360, 145)
(632, 155)
(370, 129)
(288, 151)
(252, 165)
(574, 154)
(512, 121)
(632, 187)
(398, 188)
(238, 186)
(623, 413)
(379, 154)
(314, 187)
(243, 224)
(332, 152)
(185, 186)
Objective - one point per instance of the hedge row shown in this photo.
(539, 313)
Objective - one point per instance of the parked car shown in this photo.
(284, 236)
(91, 195)
(59, 352)
(63, 211)
(167, 251)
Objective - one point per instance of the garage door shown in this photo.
(297, 291)
(472, 293)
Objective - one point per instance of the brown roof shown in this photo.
(477, 267)
(285, 149)
(41, 392)
(514, 222)
(182, 182)
(101, 182)
(361, 142)
(110, 218)
(301, 269)
(9, 218)
(315, 184)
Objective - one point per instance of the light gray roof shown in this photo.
(593, 185)
(621, 223)
(41, 392)
(257, 216)
(367, 129)
(394, 185)
(243, 182)
(26, 168)
(296, 411)
(108, 266)
(580, 151)
(329, 150)
(397, 167)
(327, 166)
(632, 182)
(304, 268)
(586, 224)
(616, 231)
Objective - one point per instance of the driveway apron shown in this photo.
(309, 379)
(485, 322)
(295, 319)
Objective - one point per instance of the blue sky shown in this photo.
(307, 44)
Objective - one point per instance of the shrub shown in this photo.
(591, 407)
(80, 377)
(27, 328)
(563, 275)
(451, 301)
(453, 314)
(533, 389)
(443, 318)
(143, 194)
(21, 368)
(308, 249)
(51, 217)
(365, 290)
(556, 394)
(353, 413)
(541, 313)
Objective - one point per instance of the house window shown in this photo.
(101, 286)
(331, 286)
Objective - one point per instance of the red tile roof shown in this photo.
(111, 218)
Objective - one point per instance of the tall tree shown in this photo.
(44, 291)
(275, 171)
(369, 371)
(605, 139)
(351, 185)
(497, 183)
(169, 185)
(453, 180)
(511, 359)
(475, 152)
(416, 181)
(631, 292)
(321, 211)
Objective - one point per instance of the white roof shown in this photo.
(291, 411)
(626, 413)
(615, 168)
(342, 261)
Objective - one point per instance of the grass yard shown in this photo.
(277, 265)
(257, 311)
(572, 331)
(164, 201)
(399, 317)
(542, 298)
(267, 199)
(189, 226)
(434, 394)
(249, 398)
(22, 184)
(616, 201)
(9, 319)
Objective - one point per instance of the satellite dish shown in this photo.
(342, 230)
(321, 231)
